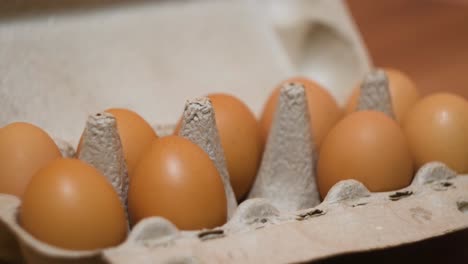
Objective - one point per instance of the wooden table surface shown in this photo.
(426, 39)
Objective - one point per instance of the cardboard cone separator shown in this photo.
(287, 173)
(101, 148)
(199, 126)
(375, 93)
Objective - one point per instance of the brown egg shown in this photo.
(323, 110)
(369, 147)
(69, 204)
(437, 130)
(24, 149)
(135, 134)
(403, 91)
(240, 138)
(177, 180)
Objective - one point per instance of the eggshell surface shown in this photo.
(69, 204)
(369, 147)
(24, 149)
(177, 180)
(403, 91)
(324, 111)
(437, 130)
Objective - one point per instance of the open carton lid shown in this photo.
(60, 66)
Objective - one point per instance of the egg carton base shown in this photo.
(349, 220)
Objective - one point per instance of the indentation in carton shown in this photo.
(358, 204)
(254, 212)
(442, 186)
(463, 206)
(420, 214)
(433, 171)
(346, 190)
(310, 214)
(400, 195)
(211, 234)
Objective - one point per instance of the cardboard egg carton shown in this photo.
(349, 220)
(283, 213)
(283, 220)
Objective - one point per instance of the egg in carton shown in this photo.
(283, 213)
(348, 220)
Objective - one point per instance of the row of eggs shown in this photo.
(68, 203)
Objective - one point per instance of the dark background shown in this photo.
(448, 249)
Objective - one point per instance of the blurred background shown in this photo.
(426, 39)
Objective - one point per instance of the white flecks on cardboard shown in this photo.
(287, 173)
(101, 148)
(199, 126)
(375, 93)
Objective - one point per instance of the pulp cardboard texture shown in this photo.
(59, 67)
(289, 154)
(199, 126)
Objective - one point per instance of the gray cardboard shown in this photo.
(199, 126)
(102, 149)
(287, 172)
(375, 93)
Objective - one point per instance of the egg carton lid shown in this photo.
(64, 61)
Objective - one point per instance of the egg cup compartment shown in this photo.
(288, 218)
(350, 219)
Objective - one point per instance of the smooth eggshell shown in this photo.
(403, 92)
(324, 111)
(177, 180)
(437, 130)
(69, 204)
(24, 149)
(369, 147)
